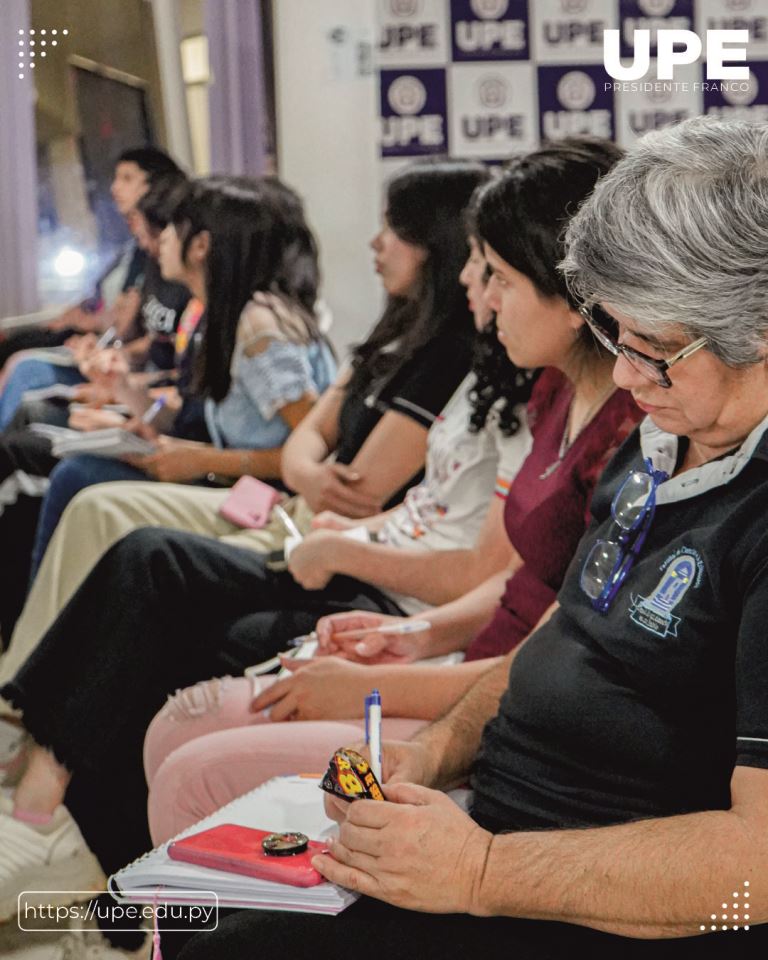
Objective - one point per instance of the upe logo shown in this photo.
(489, 9)
(738, 6)
(660, 93)
(576, 90)
(718, 50)
(570, 7)
(404, 8)
(656, 8)
(742, 94)
(492, 92)
(407, 96)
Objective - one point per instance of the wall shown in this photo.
(118, 33)
(327, 135)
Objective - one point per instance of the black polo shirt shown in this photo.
(644, 711)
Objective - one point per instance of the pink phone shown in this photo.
(249, 503)
(238, 849)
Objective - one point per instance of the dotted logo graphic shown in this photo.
(738, 919)
(656, 8)
(34, 46)
(738, 6)
(489, 9)
(576, 90)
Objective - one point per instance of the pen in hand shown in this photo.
(394, 629)
(153, 411)
(373, 730)
(286, 521)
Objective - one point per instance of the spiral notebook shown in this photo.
(285, 803)
(110, 442)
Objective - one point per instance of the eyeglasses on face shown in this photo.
(651, 367)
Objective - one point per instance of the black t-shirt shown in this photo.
(136, 261)
(189, 423)
(162, 304)
(644, 711)
(419, 390)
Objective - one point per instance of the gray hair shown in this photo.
(677, 233)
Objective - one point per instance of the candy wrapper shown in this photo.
(350, 777)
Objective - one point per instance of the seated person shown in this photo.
(211, 743)
(262, 363)
(136, 171)
(188, 617)
(26, 457)
(618, 757)
(224, 230)
(348, 454)
(443, 335)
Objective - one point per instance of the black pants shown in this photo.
(32, 338)
(161, 610)
(25, 461)
(372, 929)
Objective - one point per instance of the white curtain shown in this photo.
(18, 169)
(239, 133)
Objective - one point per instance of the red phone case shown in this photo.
(238, 850)
(249, 503)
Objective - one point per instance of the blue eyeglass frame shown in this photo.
(628, 554)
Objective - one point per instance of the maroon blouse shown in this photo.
(547, 509)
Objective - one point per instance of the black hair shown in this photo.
(259, 241)
(523, 214)
(153, 161)
(498, 383)
(160, 202)
(425, 207)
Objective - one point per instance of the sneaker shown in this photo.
(49, 858)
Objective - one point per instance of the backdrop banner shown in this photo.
(486, 79)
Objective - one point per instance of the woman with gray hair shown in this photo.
(621, 782)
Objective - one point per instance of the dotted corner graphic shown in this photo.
(34, 45)
(738, 920)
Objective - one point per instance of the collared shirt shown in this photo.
(645, 711)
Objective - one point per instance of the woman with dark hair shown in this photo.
(26, 460)
(362, 444)
(214, 741)
(246, 252)
(578, 419)
(154, 645)
(619, 761)
(112, 301)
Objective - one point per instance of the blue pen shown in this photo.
(153, 411)
(373, 730)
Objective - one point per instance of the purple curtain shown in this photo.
(239, 133)
(18, 169)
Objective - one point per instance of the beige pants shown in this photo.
(100, 516)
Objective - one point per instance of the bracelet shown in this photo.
(245, 457)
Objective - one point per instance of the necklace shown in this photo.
(567, 442)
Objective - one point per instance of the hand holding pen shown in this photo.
(305, 647)
(373, 637)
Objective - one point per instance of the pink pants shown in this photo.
(205, 748)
